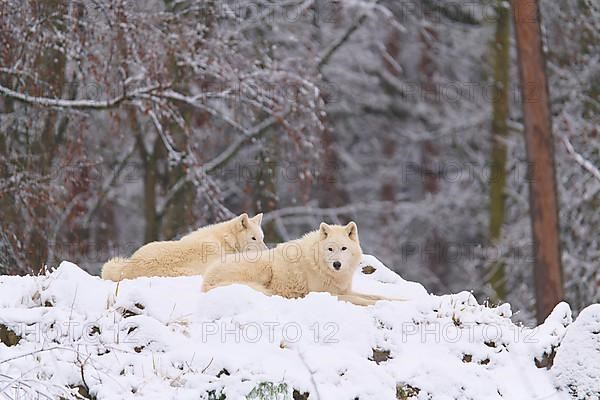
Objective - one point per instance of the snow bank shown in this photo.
(577, 361)
(161, 338)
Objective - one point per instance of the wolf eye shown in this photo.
(330, 249)
(344, 248)
(253, 238)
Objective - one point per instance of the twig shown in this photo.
(109, 183)
(312, 375)
(326, 56)
(205, 368)
(34, 352)
(579, 159)
(309, 210)
(235, 147)
(220, 160)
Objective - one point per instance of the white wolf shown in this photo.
(192, 253)
(322, 261)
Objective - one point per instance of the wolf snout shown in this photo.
(337, 265)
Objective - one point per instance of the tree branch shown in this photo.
(579, 159)
(77, 104)
(317, 211)
(235, 147)
(335, 46)
(109, 183)
(220, 160)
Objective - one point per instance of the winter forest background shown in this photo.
(124, 122)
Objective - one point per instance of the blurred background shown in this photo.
(124, 122)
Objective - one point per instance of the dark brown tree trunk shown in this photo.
(540, 153)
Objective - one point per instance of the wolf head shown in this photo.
(339, 248)
(248, 233)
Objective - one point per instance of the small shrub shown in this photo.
(214, 395)
(270, 391)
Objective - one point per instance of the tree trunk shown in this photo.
(50, 65)
(264, 187)
(540, 152)
(430, 155)
(149, 161)
(175, 220)
(390, 184)
(500, 115)
(147, 155)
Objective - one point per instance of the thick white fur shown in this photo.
(298, 267)
(191, 254)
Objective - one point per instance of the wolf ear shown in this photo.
(257, 218)
(324, 230)
(244, 221)
(352, 231)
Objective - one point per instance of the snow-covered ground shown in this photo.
(161, 338)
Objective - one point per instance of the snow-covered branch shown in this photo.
(79, 104)
(579, 159)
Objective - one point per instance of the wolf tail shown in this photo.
(113, 269)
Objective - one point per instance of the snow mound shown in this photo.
(68, 334)
(577, 361)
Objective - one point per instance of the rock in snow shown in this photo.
(69, 334)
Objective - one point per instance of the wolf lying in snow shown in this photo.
(322, 261)
(192, 253)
